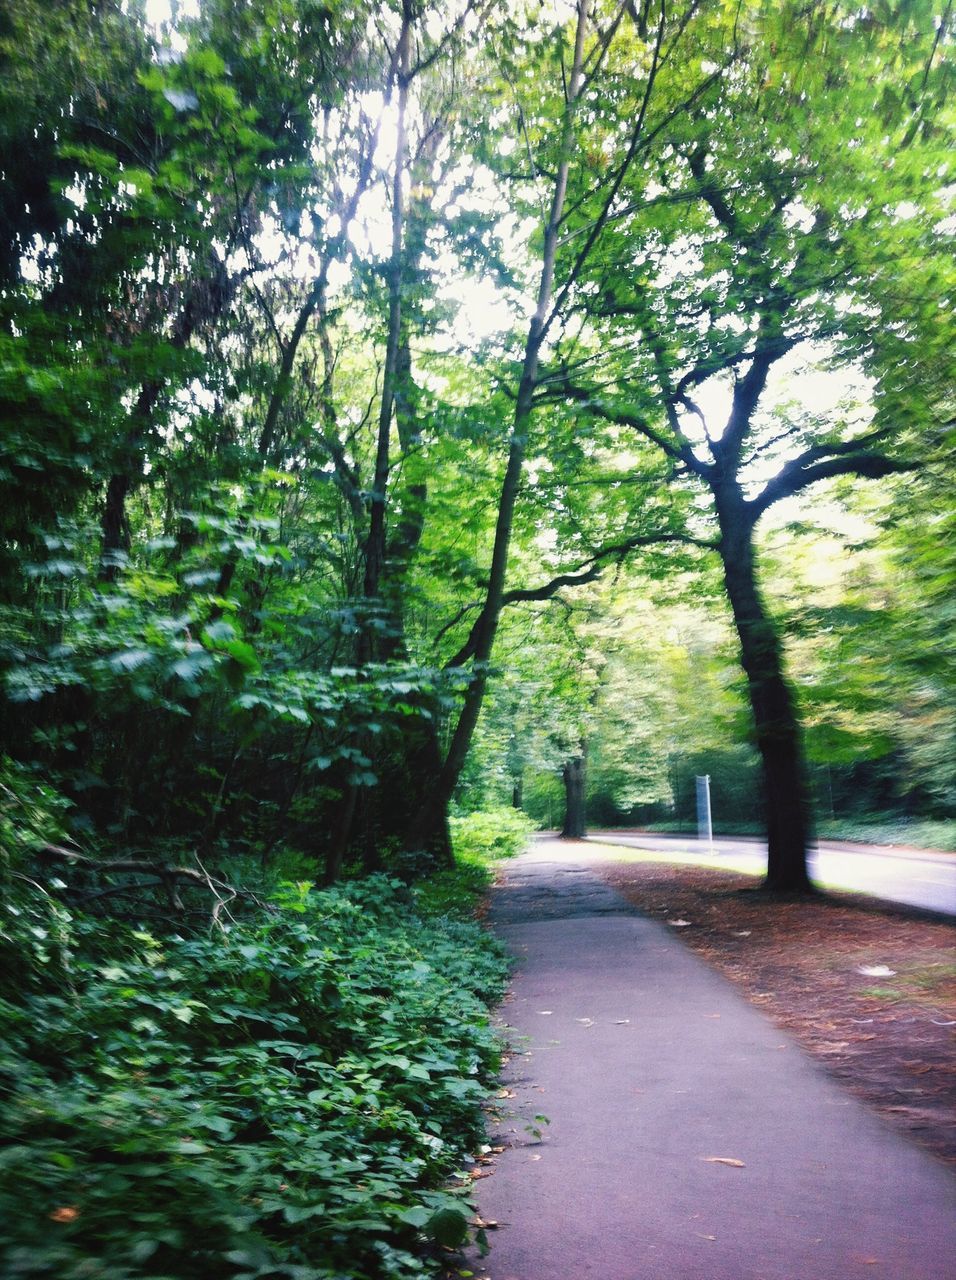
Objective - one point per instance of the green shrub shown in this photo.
(479, 841)
(920, 833)
(490, 834)
(32, 814)
(289, 1100)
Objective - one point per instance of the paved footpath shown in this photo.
(652, 1070)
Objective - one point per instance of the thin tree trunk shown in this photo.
(339, 842)
(776, 726)
(375, 543)
(434, 813)
(206, 301)
(574, 775)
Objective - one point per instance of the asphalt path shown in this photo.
(687, 1137)
(911, 876)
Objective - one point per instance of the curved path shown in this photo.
(653, 1072)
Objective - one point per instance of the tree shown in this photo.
(557, 107)
(756, 234)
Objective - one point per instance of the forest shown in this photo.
(421, 422)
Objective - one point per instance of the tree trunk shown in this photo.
(486, 625)
(206, 300)
(430, 832)
(574, 774)
(375, 543)
(339, 841)
(777, 729)
(115, 527)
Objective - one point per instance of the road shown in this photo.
(918, 879)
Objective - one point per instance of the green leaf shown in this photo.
(295, 1213)
(418, 1216)
(448, 1227)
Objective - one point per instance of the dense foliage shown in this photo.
(337, 340)
(287, 1096)
(403, 407)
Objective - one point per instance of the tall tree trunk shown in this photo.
(376, 540)
(433, 815)
(574, 774)
(777, 729)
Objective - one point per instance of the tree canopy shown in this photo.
(412, 413)
(339, 339)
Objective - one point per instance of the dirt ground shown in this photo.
(869, 990)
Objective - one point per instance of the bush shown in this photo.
(32, 814)
(490, 834)
(479, 841)
(890, 829)
(287, 1100)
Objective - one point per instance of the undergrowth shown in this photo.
(480, 840)
(292, 1097)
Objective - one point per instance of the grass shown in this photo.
(931, 981)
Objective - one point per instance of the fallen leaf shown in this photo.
(734, 1164)
(69, 1213)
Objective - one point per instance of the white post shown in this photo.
(705, 830)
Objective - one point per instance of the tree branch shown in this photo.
(598, 226)
(594, 566)
(587, 571)
(774, 347)
(679, 452)
(804, 471)
(167, 875)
